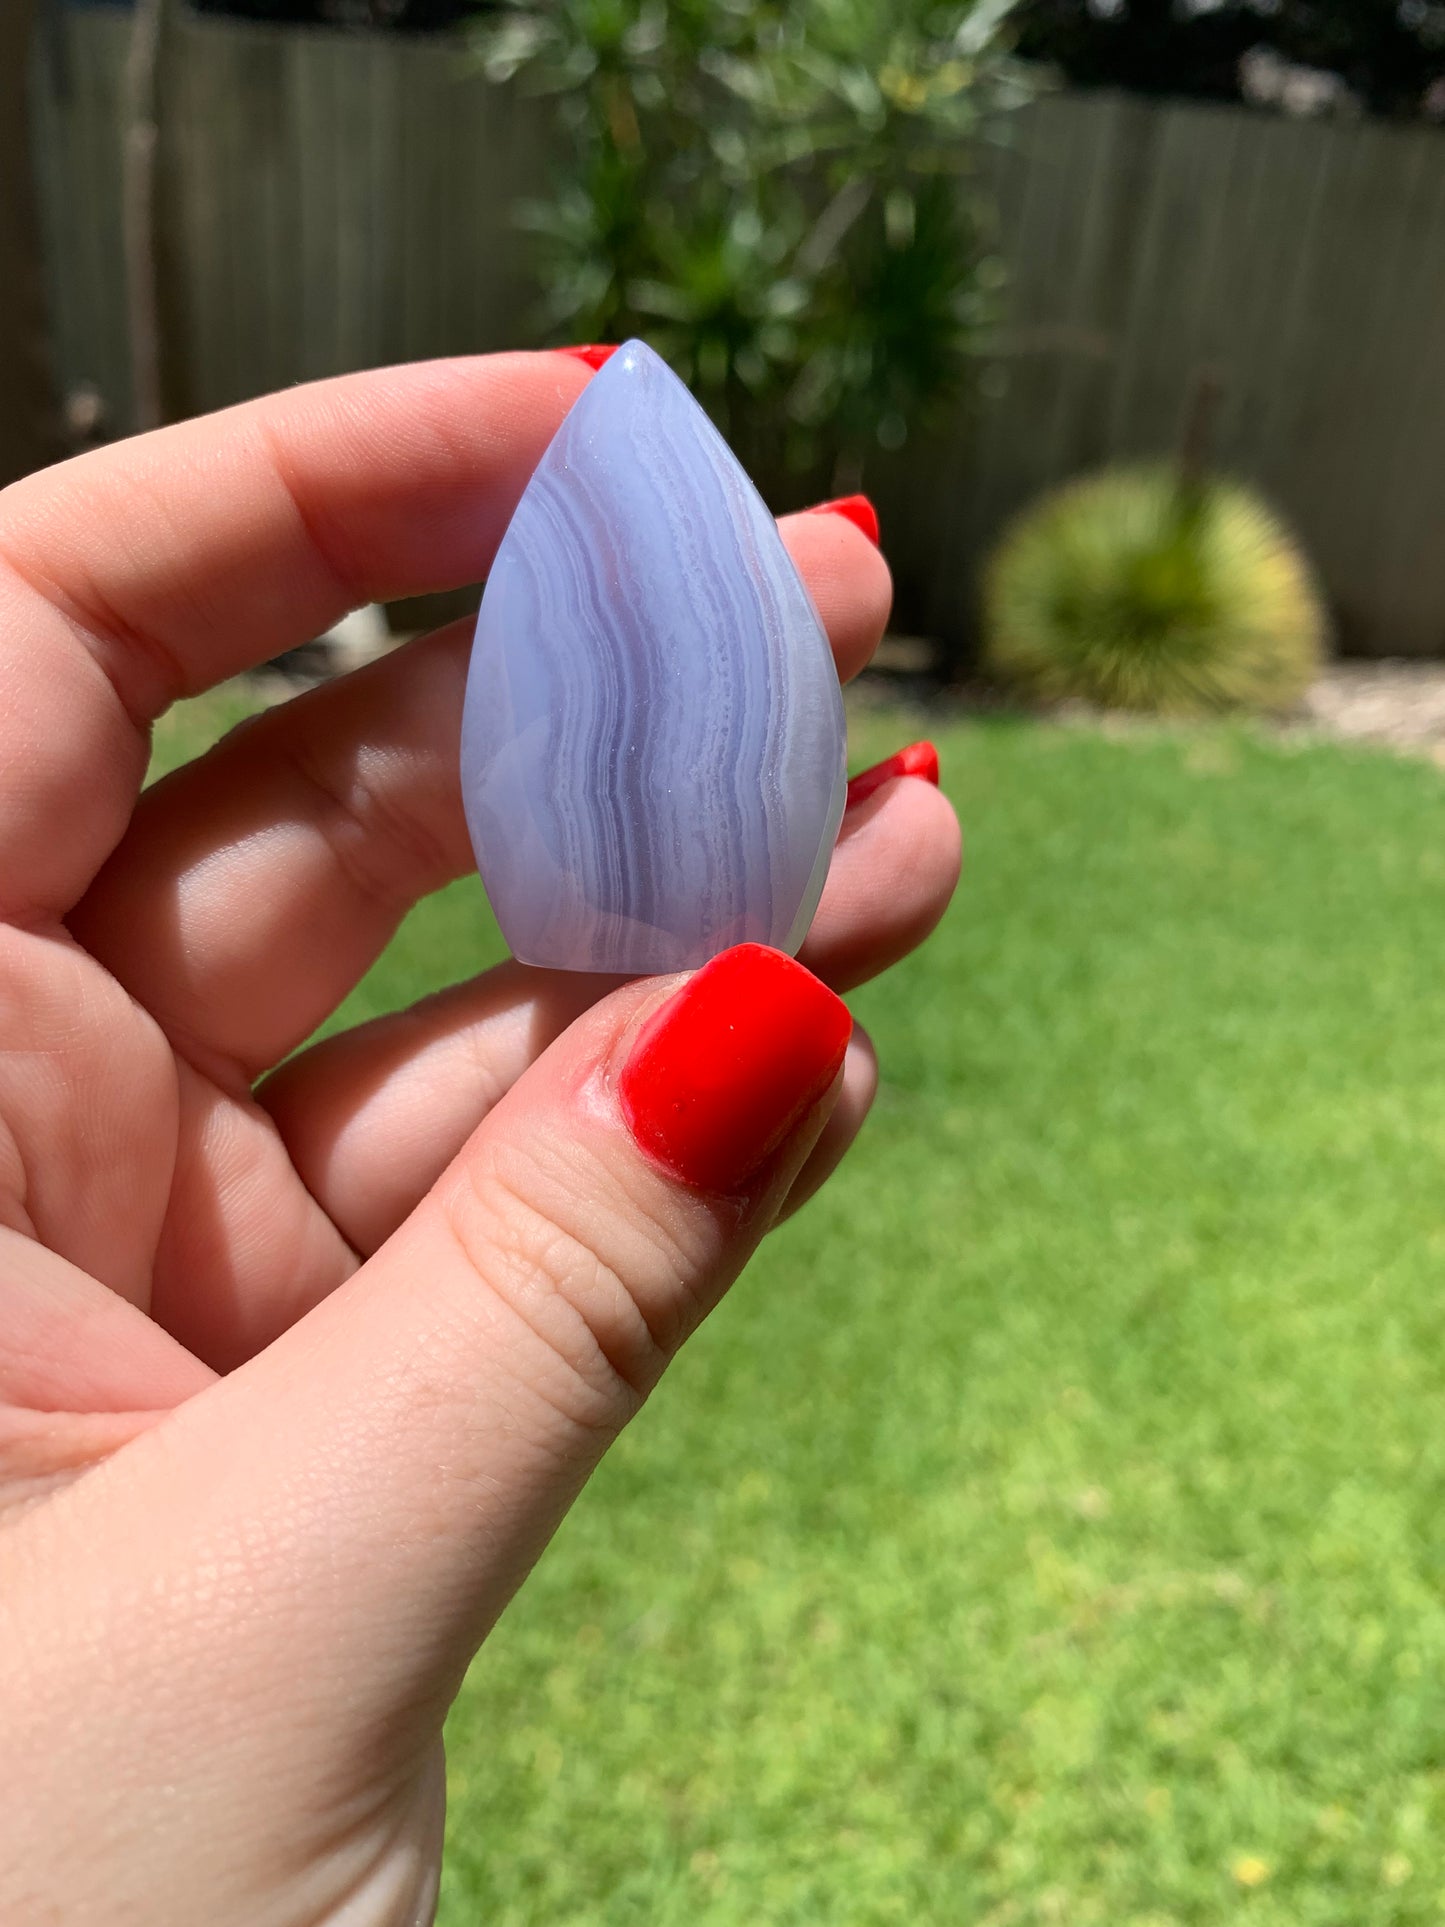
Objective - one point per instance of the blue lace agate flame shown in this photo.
(653, 739)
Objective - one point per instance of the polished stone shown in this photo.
(653, 738)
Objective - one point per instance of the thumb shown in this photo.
(336, 1525)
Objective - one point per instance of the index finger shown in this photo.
(162, 565)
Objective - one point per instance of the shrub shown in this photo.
(1139, 588)
(777, 194)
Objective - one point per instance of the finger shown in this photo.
(845, 1121)
(257, 885)
(345, 1517)
(372, 1116)
(82, 1370)
(894, 872)
(848, 580)
(155, 568)
(71, 1345)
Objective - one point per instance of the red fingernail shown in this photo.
(732, 1064)
(919, 759)
(593, 354)
(856, 509)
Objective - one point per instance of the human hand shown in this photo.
(300, 1368)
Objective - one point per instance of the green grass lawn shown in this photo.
(1051, 1527)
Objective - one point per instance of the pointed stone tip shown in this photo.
(634, 357)
(639, 373)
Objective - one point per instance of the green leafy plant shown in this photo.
(1149, 589)
(777, 195)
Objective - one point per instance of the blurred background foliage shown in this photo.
(1384, 57)
(777, 197)
(1155, 589)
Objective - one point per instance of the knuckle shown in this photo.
(594, 1352)
(382, 848)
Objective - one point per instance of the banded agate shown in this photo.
(653, 738)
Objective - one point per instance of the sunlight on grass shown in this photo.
(1049, 1528)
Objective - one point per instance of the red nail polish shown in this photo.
(594, 354)
(856, 509)
(731, 1064)
(919, 759)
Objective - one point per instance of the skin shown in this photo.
(300, 1369)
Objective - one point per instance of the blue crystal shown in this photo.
(653, 736)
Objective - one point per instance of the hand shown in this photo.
(298, 1375)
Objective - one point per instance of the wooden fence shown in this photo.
(336, 202)
(1300, 266)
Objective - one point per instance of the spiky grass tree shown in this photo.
(1148, 589)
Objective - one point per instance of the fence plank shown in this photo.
(77, 87)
